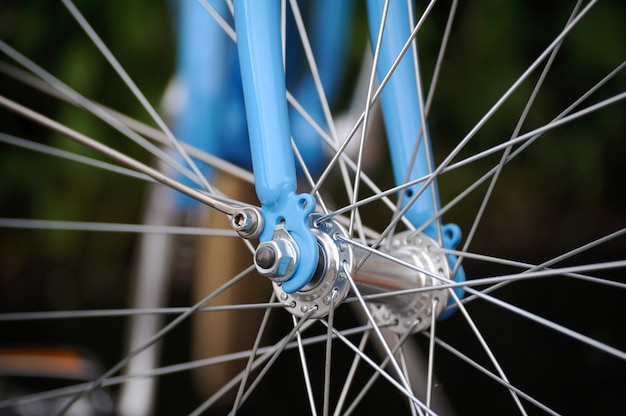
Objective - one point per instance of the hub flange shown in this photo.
(329, 285)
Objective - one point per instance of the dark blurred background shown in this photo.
(564, 191)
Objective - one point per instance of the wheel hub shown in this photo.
(330, 285)
(424, 266)
(412, 263)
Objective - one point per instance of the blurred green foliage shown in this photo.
(38, 186)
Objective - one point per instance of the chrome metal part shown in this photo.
(276, 259)
(330, 280)
(248, 222)
(424, 266)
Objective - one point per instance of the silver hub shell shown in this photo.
(429, 268)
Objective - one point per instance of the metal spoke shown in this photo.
(379, 370)
(112, 227)
(104, 50)
(175, 368)
(368, 103)
(272, 355)
(493, 376)
(109, 313)
(52, 151)
(337, 151)
(397, 217)
(524, 139)
(247, 371)
(496, 279)
(308, 52)
(376, 374)
(485, 346)
(120, 157)
(156, 337)
(379, 334)
(135, 125)
(431, 355)
(505, 155)
(552, 325)
(350, 377)
(63, 91)
(305, 368)
(329, 350)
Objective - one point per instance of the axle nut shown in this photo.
(275, 259)
(265, 257)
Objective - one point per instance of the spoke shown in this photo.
(351, 373)
(486, 348)
(271, 352)
(156, 337)
(305, 368)
(431, 355)
(104, 50)
(219, 19)
(381, 338)
(255, 348)
(308, 176)
(52, 151)
(440, 55)
(507, 151)
(552, 325)
(405, 370)
(423, 134)
(139, 127)
(380, 370)
(545, 265)
(526, 139)
(340, 151)
(493, 376)
(480, 124)
(329, 142)
(108, 313)
(65, 92)
(113, 227)
(535, 272)
(308, 51)
(377, 374)
(329, 350)
(368, 103)
(564, 271)
(272, 355)
(120, 157)
(171, 369)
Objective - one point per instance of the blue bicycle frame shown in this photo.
(263, 90)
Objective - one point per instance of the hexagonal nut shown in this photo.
(278, 265)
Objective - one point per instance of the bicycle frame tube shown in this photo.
(402, 112)
(200, 83)
(263, 79)
(403, 122)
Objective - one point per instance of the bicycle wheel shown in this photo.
(525, 107)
